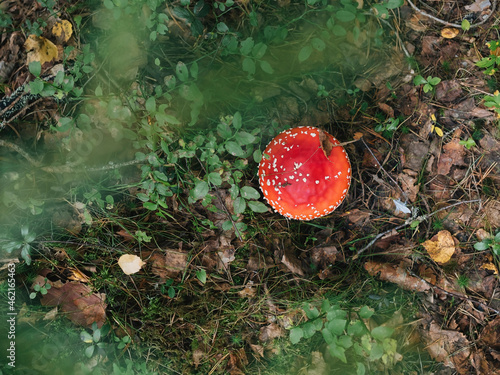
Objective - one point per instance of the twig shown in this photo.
(454, 294)
(446, 23)
(383, 170)
(408, 222)
(20, 151)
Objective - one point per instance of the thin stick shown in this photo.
(408, 222)
(493, 7)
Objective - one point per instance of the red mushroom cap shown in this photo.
(303, 175)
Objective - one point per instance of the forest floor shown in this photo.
(130, 203)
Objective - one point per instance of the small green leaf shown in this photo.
(259, 50)
(381, 332)
(337, 326)
(318, 44)
(36, 86)
(360, 368)
(86, 337)
(227, 225)
(481, 246)
(194, 70)
(345, 15)
(97, 335)
(151, 104)
(200, 190)
(244, 138)
(266, 67)
(182, 71)
(89, 351)
(309, 330)
(296, 335)
(237, 120)
(419, 80)
(366, 312)
(311, 313)
(247, 46)
(239, 205)
(249, 65)
(304, 53)
(338, 352)
(222, 27)
(465, 25)
(150, 206)
(257, 206)
(35, 68)
(215, 178)
(202, 276)
(249, 192)
(234, 149)
(328, 336)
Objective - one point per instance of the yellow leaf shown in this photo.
(437, 130)
(490, 266)
(40, 49)
(63, 30)
(449, 33)
(441, 247)
(130, 264)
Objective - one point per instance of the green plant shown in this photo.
(388, 127)
(493, 101)
(94, 339)
(463, 281)
(25, 244)
(468, 143)
(429, 83)
(491, 62)
(42, 289)
(122, 342)
(491, 243)
(347, 336)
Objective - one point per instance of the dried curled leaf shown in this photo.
(130, 264)
(441, 247)
(40, 49)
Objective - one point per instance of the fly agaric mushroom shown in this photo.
(304, 173)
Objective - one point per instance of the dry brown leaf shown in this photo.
(396, 274)
(292, 263)
(449, 32)
(248, 291)
(170, 265)
(62, 30)
(130, 264)
(51, 315)
(449, 347)
(76, 275)
(441, 247)
(40, 49)
(453, 154)
(82, 306)
(270, 332)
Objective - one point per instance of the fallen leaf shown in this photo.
(40, 49)
(453, 154)
(449, 32)
(490, 267)
(258, 349)
(292, 263)
(396, 274)
(449, 347)
(270, 332)
(441, 247)
(62, 30)
(81, 305)
(170, 265)
(51, 315)
(248, 291)
(130, 264)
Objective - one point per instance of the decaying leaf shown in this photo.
(490, 267)
(79, 303)
(449, 32)
(441, 247)
(170, 265)
(130, 264)
(449, 347)
(453, 154)
(62, 30)
(292, 263)
(271, 331)
(40, 49)
(396, 274)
